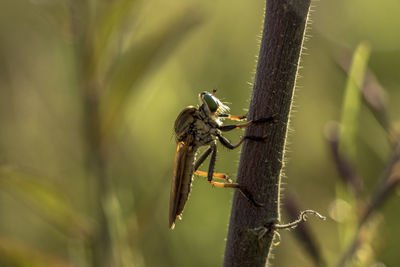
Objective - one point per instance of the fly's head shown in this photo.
(212, 105)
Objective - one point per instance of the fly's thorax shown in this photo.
(215, 131)
(204, 133)
(204, 127)
(197, 122)
(201, 126)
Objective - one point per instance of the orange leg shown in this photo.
(230, 184)
(215, 175)
(236, 118)
(210, 174)
(219, 176)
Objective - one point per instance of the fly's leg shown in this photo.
(215, 175)
(200, 161)
(232, 117)
(226, 128)
(213, 159)
(210, 173)
(202, 158)
(225, 142)
(241, 189)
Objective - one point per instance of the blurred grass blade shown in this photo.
(46, 200)
(352, 100)
(16, 253)
(139, 60)
(343, 211)
(121, 247)
(375, 96)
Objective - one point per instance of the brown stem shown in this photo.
(261, 163)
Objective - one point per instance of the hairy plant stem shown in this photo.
(260, 165)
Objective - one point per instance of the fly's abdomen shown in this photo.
(182, 178)
(187, 180)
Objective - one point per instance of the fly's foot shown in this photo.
(249, 196)
(257, 138)
(271, 119)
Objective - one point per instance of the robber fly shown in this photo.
(201, 126)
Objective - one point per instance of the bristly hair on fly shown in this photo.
(222, 108)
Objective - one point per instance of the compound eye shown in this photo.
(211, 102)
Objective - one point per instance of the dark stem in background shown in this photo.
(100, 247)
(260, 164)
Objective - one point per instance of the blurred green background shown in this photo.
(89, 91)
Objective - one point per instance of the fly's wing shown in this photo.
(178, 177)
